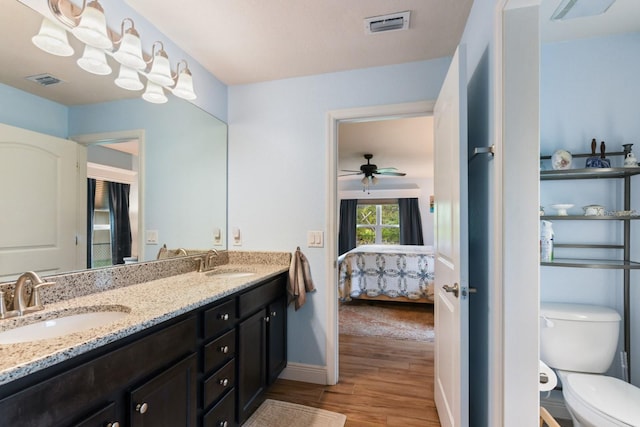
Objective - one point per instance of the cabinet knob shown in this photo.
(223, 424)
(113, 424)
(224, 316)
(224, 349)
(267, 319)
(224, 382)
(142, 407)
(273, 313)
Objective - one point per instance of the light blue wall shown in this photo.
(590, 89)
(185, 165)
(278, 167)
(21, 109)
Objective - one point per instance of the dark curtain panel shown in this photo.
(410, 222)
(120, 226)
(91, 201)
(347, 232)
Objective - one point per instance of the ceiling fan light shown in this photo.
(130, 51)
(161, 69)
(92, 29)
(154, 94)
(52, 38)
(374, 180)
(94, 61)
(184, 86)
(128, 79)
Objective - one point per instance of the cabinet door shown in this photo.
(167, 400)
(277, 339)
(105, 417)
(252, 378)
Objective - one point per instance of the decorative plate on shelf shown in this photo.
(561, 159)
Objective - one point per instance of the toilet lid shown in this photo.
(611, 396)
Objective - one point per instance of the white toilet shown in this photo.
(579, 341)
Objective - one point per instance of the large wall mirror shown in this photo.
(173, 157)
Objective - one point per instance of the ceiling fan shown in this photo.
(369, 170)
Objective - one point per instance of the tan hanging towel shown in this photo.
(299, 279)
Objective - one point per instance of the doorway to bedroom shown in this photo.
(400, 146)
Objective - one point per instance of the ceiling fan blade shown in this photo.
(387, 169)
(350, 174)
(348, 170)
(389, 173)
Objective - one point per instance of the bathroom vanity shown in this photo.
(194, 350)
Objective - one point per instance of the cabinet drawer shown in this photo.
(101, 418)
(256, 298)
(219, 318)
(219, 351)
(222, 415)
(218, 383)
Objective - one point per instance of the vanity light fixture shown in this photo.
(89, 25)
(52, 38)
(94, 61)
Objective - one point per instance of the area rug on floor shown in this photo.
(405, 321)
(274, 413)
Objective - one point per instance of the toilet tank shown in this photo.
(578, 337)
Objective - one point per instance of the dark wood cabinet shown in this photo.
(262, 350)
(209, 367)
(168, 399)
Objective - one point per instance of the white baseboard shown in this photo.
(305, 373)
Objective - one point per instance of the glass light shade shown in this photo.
(130, 51)
(52, 38)
(374, 180)
(128, 79)
(184, 86)
(94, 61)
(365, 180)
(92, 29)
(160, 70)
(154, 94)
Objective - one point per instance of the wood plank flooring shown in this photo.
(383, 382)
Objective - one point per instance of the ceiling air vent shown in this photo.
(44, 79)
(392, 22)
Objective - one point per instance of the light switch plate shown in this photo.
(152, 237)
(315, 239)
(217, 237)
(235, 234)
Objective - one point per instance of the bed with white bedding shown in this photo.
(388, 272)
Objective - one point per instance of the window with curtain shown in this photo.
(378, 223)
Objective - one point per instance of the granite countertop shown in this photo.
(147, 304)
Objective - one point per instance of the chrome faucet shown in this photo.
(20, 306)
(207, 262)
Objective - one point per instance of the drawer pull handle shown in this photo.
(224, 316)
(224, 349)
(223, 424)
(224, 382)
(142, 407)
(113, 424)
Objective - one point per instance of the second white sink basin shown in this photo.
(59, 326)
(230, 274)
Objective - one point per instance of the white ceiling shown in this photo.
(259, 40)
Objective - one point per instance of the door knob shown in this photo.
(454, 289)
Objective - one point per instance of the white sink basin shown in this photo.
(59, 326)
(230, 274)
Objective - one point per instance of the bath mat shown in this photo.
(274, 413)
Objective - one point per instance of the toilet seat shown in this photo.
(613, 401)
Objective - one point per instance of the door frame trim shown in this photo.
(411, 109)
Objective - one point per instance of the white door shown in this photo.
(38, 199)
(451, 247)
